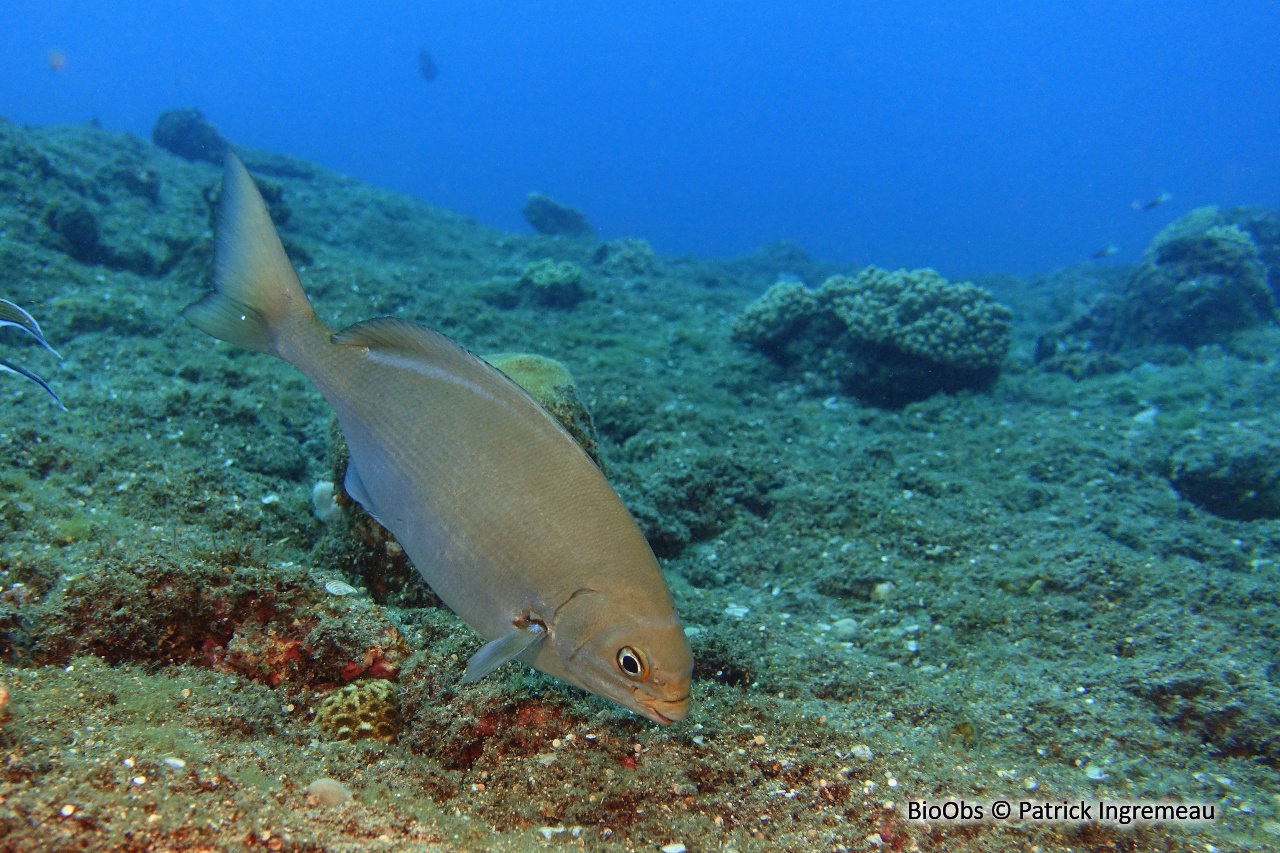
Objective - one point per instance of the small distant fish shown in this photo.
(1106, 251)
(57, 60)
(427, 65)
(1164, 198)
(12, 315)
(502, 512)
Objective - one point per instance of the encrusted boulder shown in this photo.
(548, 216)
(1232, 471)
(552, 285)
(1202, 279)
(189, 135)
(886, 337)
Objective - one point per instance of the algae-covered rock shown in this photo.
(888, 337)
(552, 285)
(1202, 279)
(75, 223)
(627, 257)
(1231, 471)
(548, 216)
(921, 314)
(189, 135)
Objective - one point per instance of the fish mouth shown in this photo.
(667, 710)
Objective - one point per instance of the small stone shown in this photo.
(882, 591)
(677, 847)
(322, 502)
(329, 792)
(844, 630)
(68, 810)
(862, 751)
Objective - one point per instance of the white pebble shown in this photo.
(322, 502)
(882, 591)
(844, 630)
(673, 848)
(329, 792)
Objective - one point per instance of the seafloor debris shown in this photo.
(361, 710)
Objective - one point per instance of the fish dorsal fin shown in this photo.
(507, 647)
(394, 335)
(409, 345)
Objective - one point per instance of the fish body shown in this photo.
(427, 65)
(1164, 198)
(501, 511)
(1106, 251)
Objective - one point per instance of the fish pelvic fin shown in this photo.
(256, 291)
(507, 647)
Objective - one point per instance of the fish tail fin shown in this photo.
(257, 296)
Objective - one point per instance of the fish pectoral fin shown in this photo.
(497, 652)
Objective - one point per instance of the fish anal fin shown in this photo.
(507, 647)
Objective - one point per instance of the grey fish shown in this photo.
(1164, 198)
(501, 511)
(427, 65)
(12, 315)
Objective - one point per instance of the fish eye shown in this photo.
(632, 664)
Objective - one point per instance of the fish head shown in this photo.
(632, 654)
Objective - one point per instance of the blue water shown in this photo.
(971, 137)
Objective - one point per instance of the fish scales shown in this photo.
(502, 512)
